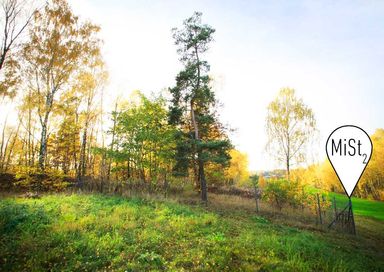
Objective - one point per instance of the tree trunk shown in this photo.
(8, 161)
(196, 174)
(113, 142)
(288, 155)
(43, 143)
(2, 145)
(288, 170)
(29, 147)
(81, 171)
(44, 128)
(2, 59)
(203, 183)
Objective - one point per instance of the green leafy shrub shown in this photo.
(278, 192)
(281, 193)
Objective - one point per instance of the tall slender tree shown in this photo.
(89, 84)
(193, 103)
(290, 125)
(59, 46)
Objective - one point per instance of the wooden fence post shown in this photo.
(319, 209)
(352, 218)
(257, 198)
(325, 210)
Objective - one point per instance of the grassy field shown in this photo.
(93, 232)
(364, 207)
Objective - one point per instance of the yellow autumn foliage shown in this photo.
(237, 172)
(371, 184)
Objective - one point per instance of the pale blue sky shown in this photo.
(331, 52)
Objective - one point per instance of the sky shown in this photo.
(330, 52)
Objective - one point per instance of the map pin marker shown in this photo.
(349, 149)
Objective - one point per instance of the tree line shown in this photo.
(52, 68)
(58, 76)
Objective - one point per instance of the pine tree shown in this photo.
(193, 105)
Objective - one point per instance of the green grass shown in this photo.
(94, 233)
(363, 207)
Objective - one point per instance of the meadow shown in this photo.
(90, 232)
(145, 159)
(364, 207)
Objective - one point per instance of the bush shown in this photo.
(30, 178)
(276, 192)
(281, 192)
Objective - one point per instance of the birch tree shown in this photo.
(59, 46)
(290, 124)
